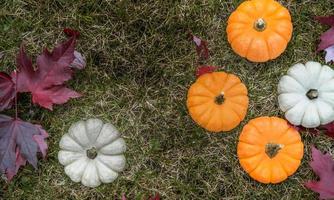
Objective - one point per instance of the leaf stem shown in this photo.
(16, 112)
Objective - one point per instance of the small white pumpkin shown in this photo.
(306, 94)
(92, 152)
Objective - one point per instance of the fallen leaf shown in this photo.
(20, 161)
(40, 140)
(329, 54)
(327, 39)
(71, 32)
(326, 20)
(18, 144)
(7, 91)
(323, 166)
(201, 47)
(46, 83)
(156, 197)
(79, 62)
(328, 129)
(204, 70)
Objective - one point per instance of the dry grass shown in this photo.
(140, 65)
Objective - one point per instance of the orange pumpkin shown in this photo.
(259, 30)
(218, 101)
(269, 149)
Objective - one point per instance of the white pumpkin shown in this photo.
(92, 152)
(306, 94)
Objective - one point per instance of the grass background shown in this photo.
(139, 67)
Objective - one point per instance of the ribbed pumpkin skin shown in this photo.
(255, 45)
(251, 149)
(204, 110)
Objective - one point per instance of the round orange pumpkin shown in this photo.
(218, 101)
(269, 149)
(259, 30)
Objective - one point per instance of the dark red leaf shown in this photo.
(314, 131)
(204, 70)
(201, 47)
(328, 129)
(327, 20)
(18, 144)
(7, 91)
(323, 166)
(46, 84)
(71, 32)
(156, 197)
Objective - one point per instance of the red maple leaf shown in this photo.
(326, 20)
(46, 83)
(19, 142)
(71, 32)
(156, 197)
(7, 91)
(204, 70)
(329, 129)
(201, 47)
(323, 166)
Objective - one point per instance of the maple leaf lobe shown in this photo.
(7, 91)
(204, 70)
(323, 166)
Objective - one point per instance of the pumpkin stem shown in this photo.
(260, 25)
(272, 149)
(220, 99)
(91, 153)
(312, 94)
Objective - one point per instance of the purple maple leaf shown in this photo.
(19, 141)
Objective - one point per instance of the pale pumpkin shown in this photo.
(92, 152)
(218, 101)
(306, 95)
(259, 30)
(269, 149)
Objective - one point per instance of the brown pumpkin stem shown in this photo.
(312, 94)
(272, 149)
(260, 25)
(91, 153)
(220, 99)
